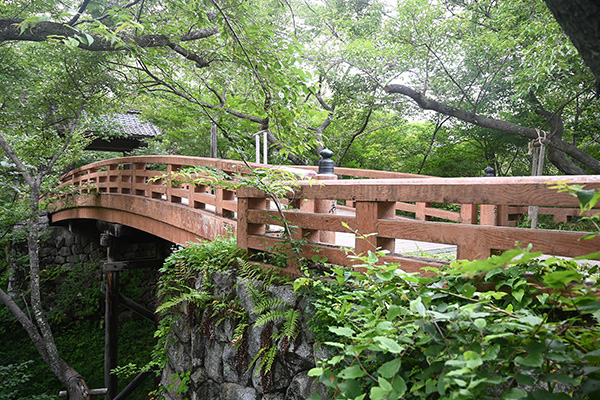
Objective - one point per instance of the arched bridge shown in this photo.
(372, 209)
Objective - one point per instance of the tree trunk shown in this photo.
(580, 19)
(39, 329)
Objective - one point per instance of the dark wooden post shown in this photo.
(111, 320)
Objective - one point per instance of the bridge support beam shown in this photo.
(111, 321)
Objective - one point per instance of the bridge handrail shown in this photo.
(377, 225)
(368, 206)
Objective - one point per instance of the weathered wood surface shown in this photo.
(126, 191)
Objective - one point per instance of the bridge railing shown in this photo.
(368, 207)
(376, 224)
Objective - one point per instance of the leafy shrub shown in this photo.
(508, 327)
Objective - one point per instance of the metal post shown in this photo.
(489, 171)
(265, 147)
(257, 140)
(326, 164)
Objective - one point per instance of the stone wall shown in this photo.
(66, 247)
(218, 370)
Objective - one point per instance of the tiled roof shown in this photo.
(131, 125)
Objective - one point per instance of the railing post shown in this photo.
(326, 173)
(220, 196)
(367, 214)
(139, 179)
(489, 212)
(244, 229)
(171, 169)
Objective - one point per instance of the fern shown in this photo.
(271, 316)
(268, 358)
(267, 303)
(291, 325)
(193, 296)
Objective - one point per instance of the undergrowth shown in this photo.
(508, 327)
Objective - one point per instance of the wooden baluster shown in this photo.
(420, 214)
(325, 207)
(244, 229)
(113, 176)
(138, 183)
(171, 170)
(367, 214)
(469, 214)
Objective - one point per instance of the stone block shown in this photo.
(232, 391)
(213, 361)
(231, 371)
(303, 387)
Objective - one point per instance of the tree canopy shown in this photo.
(429, 86)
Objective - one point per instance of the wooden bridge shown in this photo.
(362, 209)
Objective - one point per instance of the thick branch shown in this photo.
(427, 103)
(14, 158)
(355, 135)
(10, 30)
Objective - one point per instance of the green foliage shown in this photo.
(506, 327)
(201, 260)
(73, 291)
(588, 198)
(13, 377)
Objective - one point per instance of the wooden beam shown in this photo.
(111, 321)
(117, 266)
(137, 381)
(136, 307)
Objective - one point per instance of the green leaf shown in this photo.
(480, 323)
(585, 196)
(514, 394)
(378, 393)
(385, 385)
(518, 294)
(560, 279)
(342, 331)
(399, 386)
(418, 307)
(533, 360)
(352, 372)
(526, 380)
(388, 344)
(390, 368)
(588, 256)
(315, 372)
(393, 312)
(473, 359)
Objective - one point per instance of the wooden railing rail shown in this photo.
(477, 224)
(376, 225)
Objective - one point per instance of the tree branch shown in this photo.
(10, 30)
(427, 103)
(79, 12)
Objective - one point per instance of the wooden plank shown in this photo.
(111, 338)
(137, 308)
(137, 381)
(561, 243)
(497, 190)
(328, 222)
(335, 256)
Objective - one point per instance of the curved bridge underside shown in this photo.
(176, 223)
